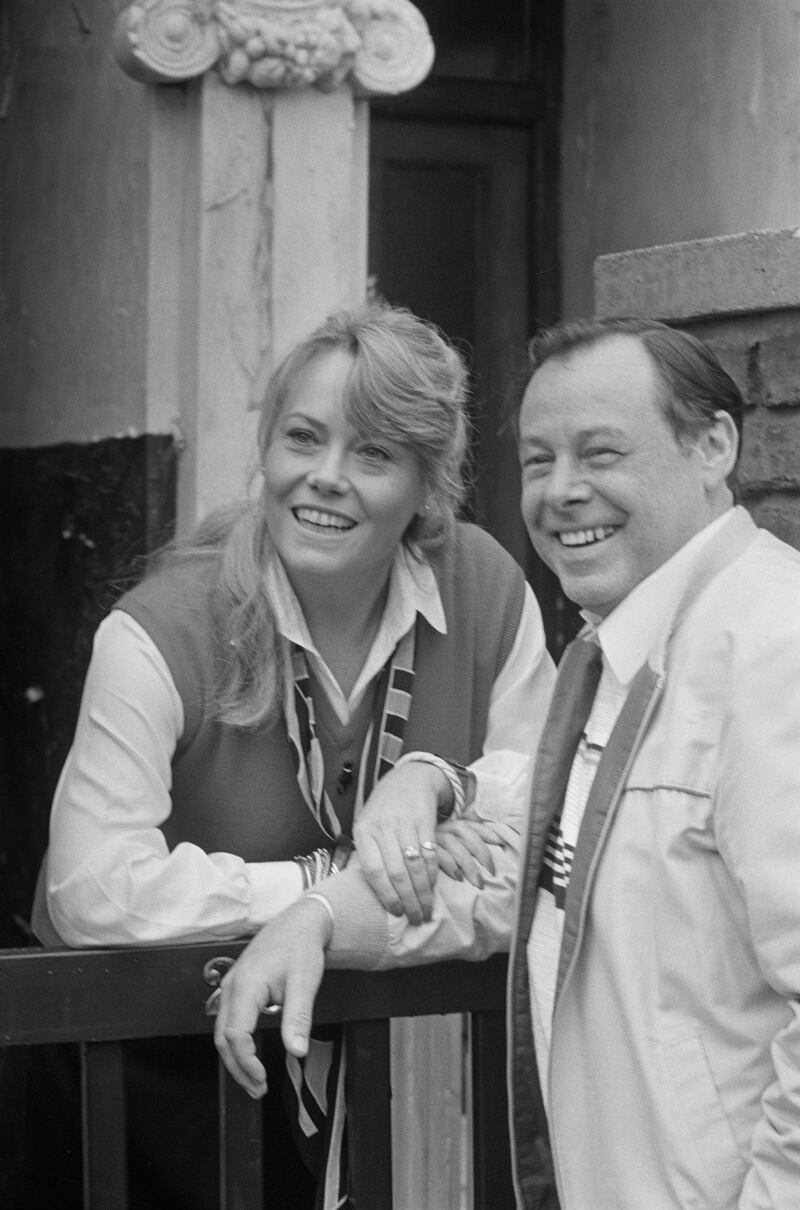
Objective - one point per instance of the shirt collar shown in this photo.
(412, 590)
(628, 634)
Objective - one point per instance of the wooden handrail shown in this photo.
(157, 991)
(101, 998)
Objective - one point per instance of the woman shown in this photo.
(244, 701)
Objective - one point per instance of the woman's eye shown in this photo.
(375, 453)
(301, 438)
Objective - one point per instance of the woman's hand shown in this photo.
(282, 965)
(395, 836)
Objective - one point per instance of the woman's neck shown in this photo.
(343, 626)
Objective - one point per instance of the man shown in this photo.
(655, 971)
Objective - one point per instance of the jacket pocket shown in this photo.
(711, 1162)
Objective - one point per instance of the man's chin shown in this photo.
(585, 592)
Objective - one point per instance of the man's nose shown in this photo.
(567, 483)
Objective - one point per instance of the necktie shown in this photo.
(578, 677)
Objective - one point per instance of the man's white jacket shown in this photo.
(674, 1076)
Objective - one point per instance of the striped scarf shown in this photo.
(316, 1084)
(384, 742)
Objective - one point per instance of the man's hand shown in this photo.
(395, 836)
(283, 964)
(463, 848)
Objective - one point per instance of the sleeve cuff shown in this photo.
(273, 886)
(360, 924)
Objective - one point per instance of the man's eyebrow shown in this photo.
(602, 430)
(607, 431)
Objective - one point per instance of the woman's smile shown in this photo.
(322, 521)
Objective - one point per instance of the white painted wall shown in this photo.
(681, 120)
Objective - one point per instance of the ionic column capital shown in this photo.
(383, 47)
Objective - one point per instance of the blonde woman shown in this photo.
(262, 684)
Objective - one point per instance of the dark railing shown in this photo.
(101, 998)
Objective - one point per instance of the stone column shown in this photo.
(258, 228)
(258, 198)
(740, 294)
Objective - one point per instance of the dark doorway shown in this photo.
(464, 225)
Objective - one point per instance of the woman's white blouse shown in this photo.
(111, 878)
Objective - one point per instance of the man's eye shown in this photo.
(537, 464)
(601, 456)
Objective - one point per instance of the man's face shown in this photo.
(608, 494)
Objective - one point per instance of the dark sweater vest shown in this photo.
(234, 790)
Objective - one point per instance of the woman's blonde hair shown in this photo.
(408, 384)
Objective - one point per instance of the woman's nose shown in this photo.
(328, 474)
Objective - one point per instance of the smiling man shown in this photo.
(657, 955)
(654, 988)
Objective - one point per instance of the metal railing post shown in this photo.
(104, 1147)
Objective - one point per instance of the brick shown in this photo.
(771, 450)
(776, 371)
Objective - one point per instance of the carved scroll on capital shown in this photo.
(381, 46)
(396, 51)
(165, 41)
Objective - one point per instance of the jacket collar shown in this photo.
(639, 629)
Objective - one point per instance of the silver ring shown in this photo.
(271, 1009)
(428, 846)
(411, 852)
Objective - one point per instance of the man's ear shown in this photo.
(718, 446)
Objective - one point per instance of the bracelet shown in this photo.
(459, 803)
(325, 903)
(315, 867)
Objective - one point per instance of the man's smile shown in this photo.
(585, 537)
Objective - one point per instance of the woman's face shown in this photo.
(337, 503)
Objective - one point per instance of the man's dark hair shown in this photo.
(695, 385)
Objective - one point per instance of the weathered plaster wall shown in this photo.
(681, 121)
(73, 236)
